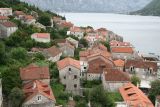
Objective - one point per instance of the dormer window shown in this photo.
(39, 98)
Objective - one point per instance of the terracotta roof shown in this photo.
(122, 50)
(75, 29)
(28, 17)
(141, 64)
(119, 63)
(8, 24)
(116, 75)
(34, 87)
(67, 24)
(119, 44)
(96, 66)
(34, 72)
(134, 97)
(100, 46)
(68, 62)
(41, 35)
(53, 51)
(95, 50)
(4, 18)
(19, 13)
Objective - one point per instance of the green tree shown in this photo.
(11, 79)
(54, 73)
(135, 80)
(99, 98)
(16, 97)
(39, 56)
(107, 45)
(19, 54)
(45, 20)
(154, 91)
(2, 53)
(83, 42)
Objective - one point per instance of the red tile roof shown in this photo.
(53, 51)
(42, 35)
(4, 18)
(96, 66)
(119, 44)
(122, 50)
(141, 64)
(17, 13)
(67, 24)
(68, 62)
(119, 63)
(34, 72)
(100, 46)
(33, 88)
(8, 24)
(116, 75)
(134, 97)
(28, 17)
(75, 29)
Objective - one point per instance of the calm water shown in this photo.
(142, 31)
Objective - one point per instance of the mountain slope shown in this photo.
(117, 6)
(152, 8)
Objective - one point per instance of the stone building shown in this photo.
(52, 54)
(113, 79)
(69, 74)
(7, 28)
(5, 11)
(38, 94)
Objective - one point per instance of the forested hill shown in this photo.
(152, 8)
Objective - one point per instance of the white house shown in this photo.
(6, 11)
(41, 37)
(76, 31)
(7, 28)
(69, 74)
(3, 19)
(53, 53)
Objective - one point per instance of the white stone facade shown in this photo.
(39, 101)
(56, 58)
(6, 12)
(6, 31)
(70, 78)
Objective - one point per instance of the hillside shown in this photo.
(152, 8)
(112, 6)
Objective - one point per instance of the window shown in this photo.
(69, 69)
(39, 98)
(64, 77)
(75, 85)
(75, 76)
(84, 67)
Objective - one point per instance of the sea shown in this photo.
(141, 31)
